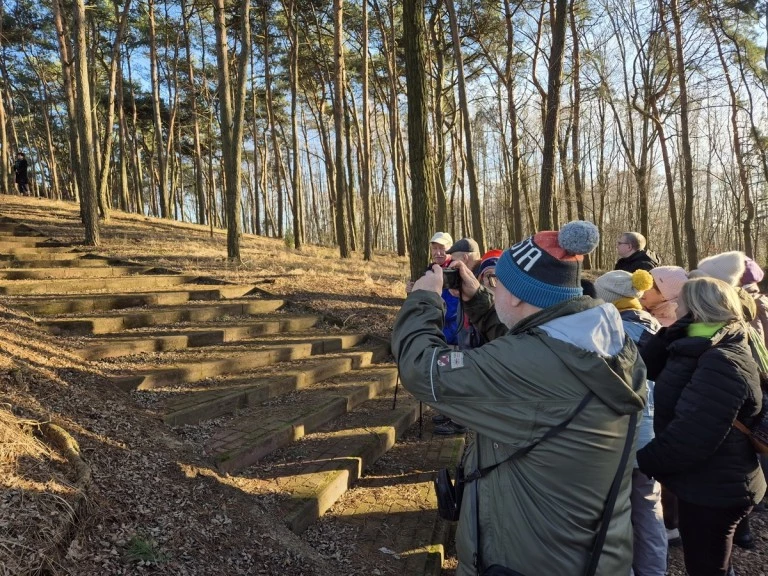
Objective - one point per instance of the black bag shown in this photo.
(449, 493)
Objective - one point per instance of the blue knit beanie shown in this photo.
(545, 268)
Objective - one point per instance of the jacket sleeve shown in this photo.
(482, 314)
(704, 416)
(467, 386)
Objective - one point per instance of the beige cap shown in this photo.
(442, 238)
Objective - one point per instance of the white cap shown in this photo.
(442, 238)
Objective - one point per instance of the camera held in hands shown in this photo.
(451, 279)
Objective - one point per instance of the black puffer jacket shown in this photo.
(640, 260)
(704, 385)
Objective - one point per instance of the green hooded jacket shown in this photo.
(538, 514)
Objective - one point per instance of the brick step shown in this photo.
(58, 273)
(78, 262)
(226, 395)
(78, 286)
(193, 337)
(394, 506)
(159, 316)
(210, 363)
(13, 252)
(314, 472)
(46, 306)
(274, 424)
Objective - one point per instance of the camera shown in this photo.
(451, 279)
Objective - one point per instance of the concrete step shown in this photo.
(58, 273)
(26, 252)
(159, 316)
(195, 337)
(76, 304)
(78, 286)
(28, 242)
(394, 506)
(317, 470)
(274, 424)
(227, 395)
(69, 263)
(211, 362)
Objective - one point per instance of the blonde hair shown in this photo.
(711, 300)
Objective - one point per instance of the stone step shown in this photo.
(219, 361)
(25, 252)
(58, 273)
(274, 424)
(226, 395)
(317, 470)
(76, 304)
(71, 285)
(28, 241)
(159, 316)
(394, 505)
(79, 262)
(194, 337)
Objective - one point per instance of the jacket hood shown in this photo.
(592, 344)
(645, 319)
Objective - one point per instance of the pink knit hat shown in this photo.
(669, 280)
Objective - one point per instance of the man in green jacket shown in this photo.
(550, 349)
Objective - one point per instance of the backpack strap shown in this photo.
(613, 493)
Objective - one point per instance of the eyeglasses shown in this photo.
(620, 243)
(489, 280)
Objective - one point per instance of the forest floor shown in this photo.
(139, 471)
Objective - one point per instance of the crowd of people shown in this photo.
(608, 420)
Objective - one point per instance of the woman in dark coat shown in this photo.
(705, 380)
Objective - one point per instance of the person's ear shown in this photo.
(514, 301)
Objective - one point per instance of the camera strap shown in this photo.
(605, 519)
(551, 433)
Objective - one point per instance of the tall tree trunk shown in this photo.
(232, 115)
(88, 196)
(298, 196)
(546, 191)
(478, 231)
(351, 197)
(271, 121)
(422, 178)
(366, 147)
(438, 40)
(338, 126)
(197, 159)
(162, 163)
(69, 91)
(736, 141)
(509, 80)
(578, 184)
(393, 114)
(111, 91)
(685, 136)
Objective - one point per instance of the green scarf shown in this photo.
(704, 329)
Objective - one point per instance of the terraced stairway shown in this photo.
(270, 393)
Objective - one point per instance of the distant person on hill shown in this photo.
(633, 255)
(20, 170)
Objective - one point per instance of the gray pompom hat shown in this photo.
(545, 269)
